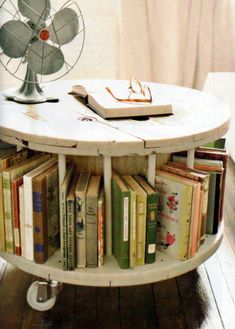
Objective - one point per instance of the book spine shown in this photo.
(63, 228)
(101, 230)
(185, 222)
(92, 231)
(40, 221)
(22, 221)
(211, 204)
(52, 183)
(141, 231)
(217, 203)
(2, 224)
(16, 219)
(7, 195)
(80, 230)
(28, 217)
(133, 229)
(151, 228)
(71, 234)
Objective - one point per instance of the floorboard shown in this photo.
(168, 305)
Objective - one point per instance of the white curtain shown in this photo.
(169, 41)
(177, 41)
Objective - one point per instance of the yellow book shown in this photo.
(196, 209)
(141, 212)
(174, 213)
(132, 231)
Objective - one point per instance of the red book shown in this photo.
(16, 218)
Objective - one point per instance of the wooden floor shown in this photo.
(204, 298)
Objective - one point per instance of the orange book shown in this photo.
(16, 219)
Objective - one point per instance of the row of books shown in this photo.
(81, 219)
(175, 215)
(29, 216)
(36, 217)
(190, 200)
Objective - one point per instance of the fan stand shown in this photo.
(30, 91)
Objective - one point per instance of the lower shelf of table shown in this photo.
(110, 275)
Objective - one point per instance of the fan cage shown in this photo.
(17, 67)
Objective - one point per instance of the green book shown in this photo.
(141, 209)
(151, 222)
(120, 220)
(213, 203)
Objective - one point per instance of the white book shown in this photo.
(80, 194)
(28, 204)
(22, 220)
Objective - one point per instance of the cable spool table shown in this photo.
(69, 128)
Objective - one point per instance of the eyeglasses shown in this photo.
(142, 93)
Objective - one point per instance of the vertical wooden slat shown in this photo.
(62, 167)
(108, 203)
(190, 158)
(152, 168)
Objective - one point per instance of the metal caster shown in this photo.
(42, 294)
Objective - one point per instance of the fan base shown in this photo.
(36, 97)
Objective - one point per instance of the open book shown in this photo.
(100, 100)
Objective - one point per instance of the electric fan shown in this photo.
(40, 42)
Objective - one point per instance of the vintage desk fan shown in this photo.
(36, 40)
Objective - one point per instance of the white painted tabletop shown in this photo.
(58, 127)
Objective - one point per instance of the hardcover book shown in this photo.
(9, 175)
(16, 219)
(71, 222)
(151, 223)
(120, 220)
(132, 228)
(45, 214)
(92, 196)
(141, 208)
(100, 100)
(63, 215)
(28, 204)
(101, 228)
(80, 214)
(174, 215)
(195, 209)
(22, 220)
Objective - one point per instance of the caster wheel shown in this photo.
(32, 299)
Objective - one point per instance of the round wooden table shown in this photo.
(70, 128)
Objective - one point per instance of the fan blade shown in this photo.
(14, 38)
(44, 59)
(37, 11)
(64, 26)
